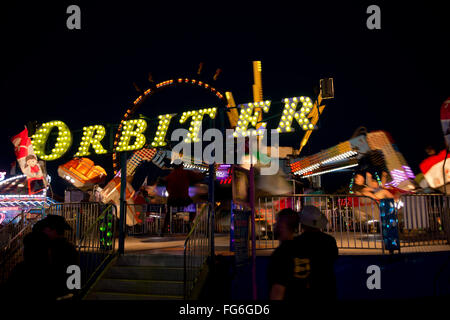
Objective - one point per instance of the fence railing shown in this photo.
(11, 243)
(97, 245)
(94, 232)
(222, 222)
(197, 248)
(424, 219)
(79, 215)
(352, 220)
(152, 217)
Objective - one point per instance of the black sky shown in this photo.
(393, 79)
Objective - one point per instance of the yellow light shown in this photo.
(89, 139)
(248, 115)
(136, 129)
(196, 122)
(39, 140)
(161, 131)
(289, 113)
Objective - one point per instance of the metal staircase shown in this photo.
(106, 275)
(141, 277)
(148, 276)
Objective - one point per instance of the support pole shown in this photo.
(446, 211)
(211, 201)
(123, 201)
(252, 206)
(444, 175)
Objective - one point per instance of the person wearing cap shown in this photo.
(62, 253)
(47, 254)
(52, 226)
(302, 267)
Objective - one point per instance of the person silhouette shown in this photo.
(303, 268)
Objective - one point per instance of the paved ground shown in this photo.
(175, 245)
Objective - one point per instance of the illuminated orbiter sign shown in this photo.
(132, 137)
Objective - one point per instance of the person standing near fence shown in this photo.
(303, 268)
(178, 182)
(43, 273)
(62, 253)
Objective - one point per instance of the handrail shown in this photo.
(11, 221)
(100, 217)
(90, 244)
(94, 251)
(197, 223)
(11, 250)
(98, 254)
(18, 234)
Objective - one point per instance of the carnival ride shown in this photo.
(82, 173)
(375, 150)
(157, 149)
(111, 193)
(15, 199)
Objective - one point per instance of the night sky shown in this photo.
(393, 79)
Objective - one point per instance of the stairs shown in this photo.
(141, 277)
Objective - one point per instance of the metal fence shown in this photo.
(79, 215)
(197, 248)
(352, 220)
(11, 243)
(97, 245)
(423, 219)
(94, 232)
(222, 221)
(152, 217)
